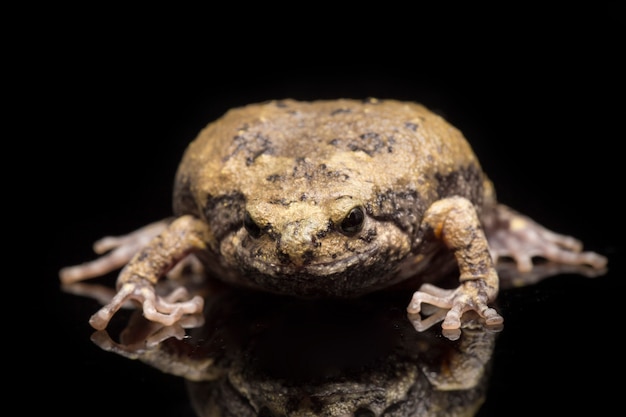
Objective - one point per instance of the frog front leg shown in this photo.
(455, 222)
(138, 278)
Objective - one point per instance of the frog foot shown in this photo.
(166, 310)
(120, 250)
(513, 235)
(468, 296)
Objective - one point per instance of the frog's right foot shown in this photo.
(166, 310)
(120, 251)
(513, 235)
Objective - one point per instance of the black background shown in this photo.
(112, 100)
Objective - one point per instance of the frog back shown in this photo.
(386, 153)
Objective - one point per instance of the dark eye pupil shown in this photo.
(353, 222)
(253, 229)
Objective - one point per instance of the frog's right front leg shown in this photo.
(138, 278)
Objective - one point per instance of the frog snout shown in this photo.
(298, 242)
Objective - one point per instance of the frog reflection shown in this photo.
(272, 356)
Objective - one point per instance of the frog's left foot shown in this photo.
(470, 295)
(516, 236)
(165, 310)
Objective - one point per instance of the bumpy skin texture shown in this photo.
(333, 198)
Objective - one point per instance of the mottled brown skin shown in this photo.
(336, 198)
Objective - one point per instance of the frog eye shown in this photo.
(249, 224)
(353, 222)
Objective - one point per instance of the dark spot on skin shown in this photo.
(281, 104)
(412, 126)
(224, 213)
(283, 257)
(339, 111)
(273, 178)
(307, 257)
(368, 142)
(465, 182)
(370, 135)
(323, 170)
(303, 168)
(272, 233)
(404, 208)
(280, 202)
(369, 235)
(322, 233)
(347, 247)
(372, 143)
(251, 145)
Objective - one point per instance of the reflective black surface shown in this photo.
(544, 117)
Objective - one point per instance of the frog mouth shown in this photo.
(322, 267)
(352, 275)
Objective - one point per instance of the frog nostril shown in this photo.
(251, 226)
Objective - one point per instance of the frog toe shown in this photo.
(115, 251)
(424, 323)
(98, 267)
(160, 310)
(102, 317)
(576, 258)
(523, 261)
(452, 320)
(430, 294)
(492, 318)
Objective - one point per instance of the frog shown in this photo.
(333, 198)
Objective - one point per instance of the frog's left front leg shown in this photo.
(455, 222)
(138, 278)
